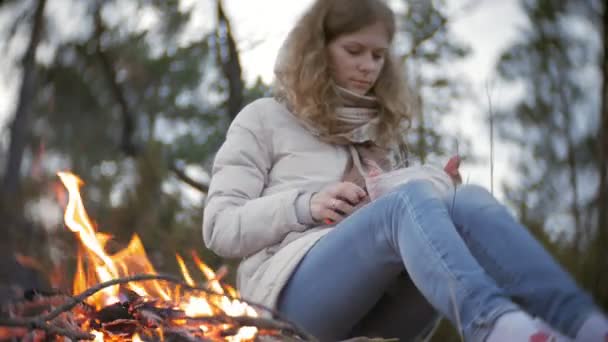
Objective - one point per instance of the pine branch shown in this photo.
(181, 175)
(427, 37)
(127, 144)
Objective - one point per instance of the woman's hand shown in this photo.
(451, 168)
(336, 201)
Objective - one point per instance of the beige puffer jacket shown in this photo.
(262, 180)
(258, 204)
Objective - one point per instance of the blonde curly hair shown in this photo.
(304, 80)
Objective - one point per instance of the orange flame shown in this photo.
(94, 265)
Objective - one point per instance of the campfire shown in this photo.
(120, 297)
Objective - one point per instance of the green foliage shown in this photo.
(555, 125)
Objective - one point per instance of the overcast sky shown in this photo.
(261, 25)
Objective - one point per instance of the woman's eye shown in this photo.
(353, 52)
(378, 56)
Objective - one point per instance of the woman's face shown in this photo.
(356, 59)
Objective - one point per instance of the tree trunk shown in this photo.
(603, 137)
(602, 198)
(19, 126)
(228, 58)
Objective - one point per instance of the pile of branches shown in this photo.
(44, 316)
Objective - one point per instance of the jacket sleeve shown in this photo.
(238, 222)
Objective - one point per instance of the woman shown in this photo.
(288, 196)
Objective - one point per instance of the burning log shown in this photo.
(149, 320)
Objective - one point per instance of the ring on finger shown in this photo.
(334, 203)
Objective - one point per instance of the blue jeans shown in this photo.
(465, 253)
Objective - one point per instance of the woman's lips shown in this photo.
(360, 83)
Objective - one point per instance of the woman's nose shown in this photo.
(367, 64)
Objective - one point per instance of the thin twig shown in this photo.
(453, 203)
(454, 197)
(73, 301)
(181, 174)
(491, 114)
(40, 324)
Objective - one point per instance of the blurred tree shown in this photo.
(133, 102)
(16, 230)
(430, 50)
(556, 62)
(20, 123)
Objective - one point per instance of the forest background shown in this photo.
(126, 96)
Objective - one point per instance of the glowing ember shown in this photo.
(159, 300)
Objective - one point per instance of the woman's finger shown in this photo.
(451, 168)
(452, 165)
(342, 207)
(332, 217)
(351, 193)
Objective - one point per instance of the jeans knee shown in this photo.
(407, 203)
(417, 187)
(470, 200)
(419, 195)
(473, 190)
